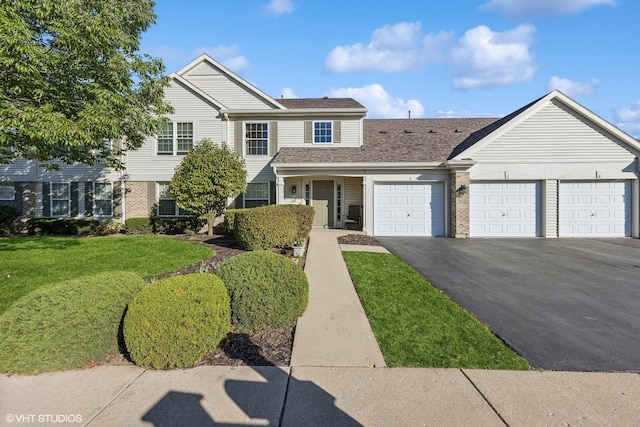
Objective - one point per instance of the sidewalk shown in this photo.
(321, 389)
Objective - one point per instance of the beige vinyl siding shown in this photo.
(550, 208)
(223, 89)
(145, 165)
(352, 192)
(291, 133)
(554, 134)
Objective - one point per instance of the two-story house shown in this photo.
(549, 169)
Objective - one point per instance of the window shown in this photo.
(60, 199)
(102, 199)
(257, 139)
(257, 194)
(322, 133)
(167, 203)
(175, 138)
(7, 194)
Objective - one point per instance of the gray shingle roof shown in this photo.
(395, 140)
(303, 103)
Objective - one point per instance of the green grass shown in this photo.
(417, 325)
(28, 263)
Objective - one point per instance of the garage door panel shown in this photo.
(416, 209)
(505, 209)
(595, 209)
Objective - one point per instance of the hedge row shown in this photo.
(6, 219)
(155, 225)
(270, 226)
(65, 226)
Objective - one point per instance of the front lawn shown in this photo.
(416, 324)
(28, 263)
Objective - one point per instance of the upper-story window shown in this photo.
(322, 132)
(7, 194)
(256, 137)
(175, 138)
(60, 199)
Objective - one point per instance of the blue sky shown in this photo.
(456, 58)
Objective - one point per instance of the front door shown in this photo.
(322, 201)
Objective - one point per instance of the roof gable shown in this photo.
(225, 86)
(553, 126)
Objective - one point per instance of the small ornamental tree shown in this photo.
(208, 176)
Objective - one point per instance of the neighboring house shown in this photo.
(550, 169)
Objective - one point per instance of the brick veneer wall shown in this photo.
(136, 199)
(459, 205)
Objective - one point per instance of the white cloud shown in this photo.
(571, 88)
(276, 8)
(229, 56)
(287, 92)
(481, 58)
(380, 103)
(459, 114)
(485, 58)
(525, 9)
(393, 48)
(628, 119)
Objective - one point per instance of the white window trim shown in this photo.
(68, 199)
(244, 137)
(174, 124)
(313, 130)
(13, 193)
(268, 199)
(110, 199)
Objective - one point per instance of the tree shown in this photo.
(72, 79)
(206, 178)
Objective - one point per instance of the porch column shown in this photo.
(460, 186)
(279, 190)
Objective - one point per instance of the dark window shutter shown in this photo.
(272, 192)
(46, 199)
(337, 131)
(88, 198)
(238, 203)
(273, 138)
(17, 203)
(151, 197)
(237, 136)
(308, 132)
(116, 206)
(75, 196)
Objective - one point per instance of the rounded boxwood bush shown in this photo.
(267, 290)
(66, 325)
(174, 322)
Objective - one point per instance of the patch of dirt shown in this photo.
(358, 239)
(266, 348)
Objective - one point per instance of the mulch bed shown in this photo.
(268, 348)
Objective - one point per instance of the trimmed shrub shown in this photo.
(181, 225)
(228, 225)
(6, 219)
(265, 227)
(61, 226)
(176, 321)
(267, 290)
(304, 215)
(138, 226)
(66, 325)
(107, 228)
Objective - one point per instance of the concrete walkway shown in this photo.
(342, 389)
(334, 330)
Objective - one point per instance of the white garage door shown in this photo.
(409, 209)
(601, 208)
(505, 209)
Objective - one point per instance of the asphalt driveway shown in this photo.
(564, 304)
